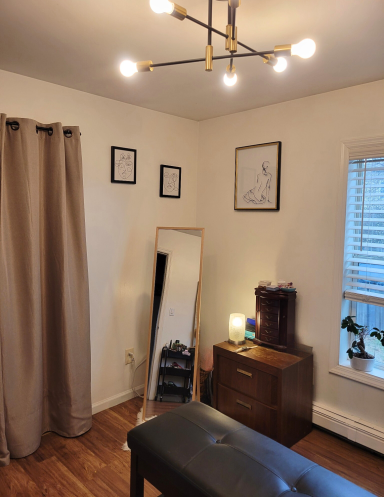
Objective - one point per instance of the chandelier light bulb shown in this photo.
(128, 68)
(230, 79)
(305, 49)
(281, 64)
(161, 6)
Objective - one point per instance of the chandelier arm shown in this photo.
(210, 28)
(250, 49)
(219, 57)
(233, 24)
(210, 9)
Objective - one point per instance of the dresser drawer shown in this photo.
(249, 381)
(247, 411)
(269, 339)
(269, 308)
(268, 324)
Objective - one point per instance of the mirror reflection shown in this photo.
(172, 360)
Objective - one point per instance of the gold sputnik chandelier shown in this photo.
(275, 58)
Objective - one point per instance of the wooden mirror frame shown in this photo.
(196, 387)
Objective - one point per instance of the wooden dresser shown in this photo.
(267, 390)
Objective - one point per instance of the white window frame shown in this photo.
(363, 147)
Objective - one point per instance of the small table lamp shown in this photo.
(237, 329)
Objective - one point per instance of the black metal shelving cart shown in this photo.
(166, 370)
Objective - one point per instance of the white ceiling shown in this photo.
(80, 44)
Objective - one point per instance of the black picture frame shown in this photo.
(262, 172)
(125, 171)
(173, 189)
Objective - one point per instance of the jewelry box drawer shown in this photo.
(269, 316)
(269, 302)
(249, 381)
(269, 332)
(269, 339)
(247, 411)
(268, 324)
(269, 309)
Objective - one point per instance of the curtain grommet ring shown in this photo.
(15, 126)
(42, 128)
(68, 133)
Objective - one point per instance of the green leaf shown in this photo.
(376, 329)
(350, 353)
(354, 344)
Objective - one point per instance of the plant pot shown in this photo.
(362, 364)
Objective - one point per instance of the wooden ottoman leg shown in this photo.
(137, 481)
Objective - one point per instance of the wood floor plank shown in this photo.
(98, 442)
(14, 481)
(337, 447)
(53, 479)
(156, 408)
(108, 483)
(115, 426)
(75, 456)
(351, 462)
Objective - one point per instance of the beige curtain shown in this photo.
(44, 302)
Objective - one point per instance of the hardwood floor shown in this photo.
(156, 408)
(94, 465)
(354, 463)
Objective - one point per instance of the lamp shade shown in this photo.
(237, 329)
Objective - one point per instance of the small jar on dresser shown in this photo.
(267, 390)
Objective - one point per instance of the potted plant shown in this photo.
(360, 358)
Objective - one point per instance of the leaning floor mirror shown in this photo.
(174, 326)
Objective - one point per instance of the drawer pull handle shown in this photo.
(245, 373)
(247, 406)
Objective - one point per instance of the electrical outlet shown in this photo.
(171, 311)
(129, 355)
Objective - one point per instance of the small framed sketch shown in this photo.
(257, 177)
(170, 181)
(123, 165)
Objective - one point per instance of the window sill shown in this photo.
(374, 379)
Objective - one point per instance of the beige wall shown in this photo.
(297, 243)
(120, 219)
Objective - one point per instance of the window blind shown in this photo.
(364, 231)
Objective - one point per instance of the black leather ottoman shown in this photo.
(196, 451)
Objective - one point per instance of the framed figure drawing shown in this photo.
(123, 165)
(257, 177)
(170, 181)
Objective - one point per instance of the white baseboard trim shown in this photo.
(116, 399)
(350, 427)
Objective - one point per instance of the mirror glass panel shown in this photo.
(173, 345)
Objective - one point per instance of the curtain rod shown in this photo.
(15, 126)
